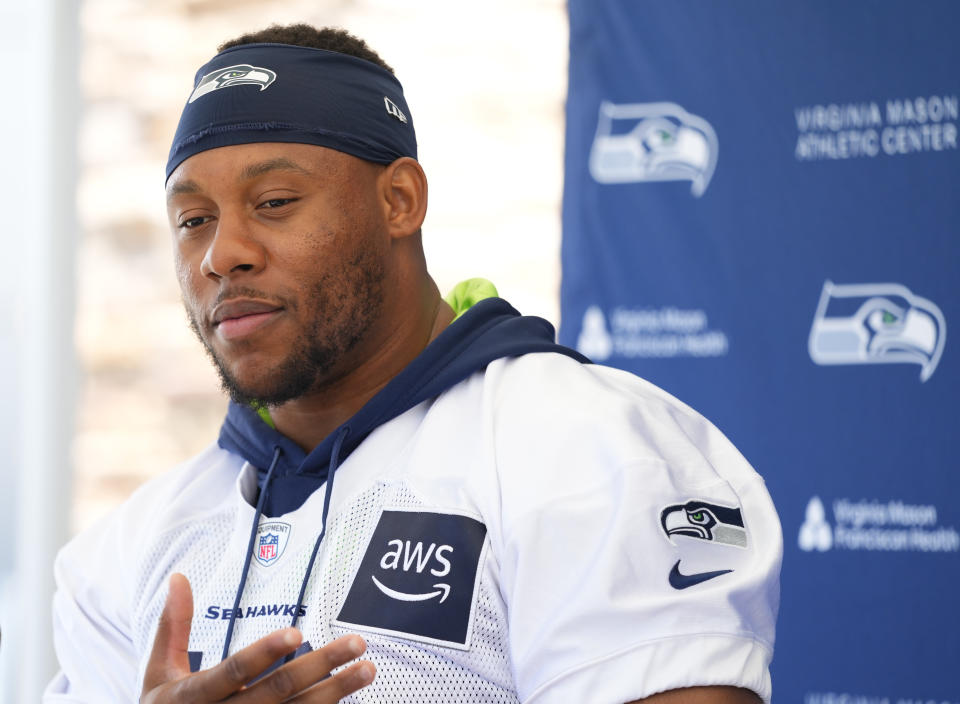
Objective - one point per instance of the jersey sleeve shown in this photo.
(91, 620)
(107, 575)
(639, 551)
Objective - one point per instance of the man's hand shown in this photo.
(168, 677)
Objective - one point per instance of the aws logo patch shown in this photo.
(418, 578)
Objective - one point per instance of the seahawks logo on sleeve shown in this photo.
(706, 521)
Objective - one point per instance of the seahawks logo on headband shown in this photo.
(699, 519)
(239, 75)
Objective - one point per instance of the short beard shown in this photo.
(343, 306)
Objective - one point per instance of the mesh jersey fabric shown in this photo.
(568, 466)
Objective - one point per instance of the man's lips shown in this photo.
(237, 318)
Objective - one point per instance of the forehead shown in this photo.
(241, 163)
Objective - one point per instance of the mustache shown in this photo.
(281, 300)
(250, 292)
(198, 315)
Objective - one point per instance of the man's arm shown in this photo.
(608, 598)
(702, 695)
(91, 619)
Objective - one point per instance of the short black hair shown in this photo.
(329, 38)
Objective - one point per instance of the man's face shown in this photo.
(280, 252)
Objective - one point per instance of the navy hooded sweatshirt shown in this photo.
(287, 476)
(489, 330)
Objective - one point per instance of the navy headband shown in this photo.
(284, 93)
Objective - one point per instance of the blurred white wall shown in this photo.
(486, 87)
(36, 328)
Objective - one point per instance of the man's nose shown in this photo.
(233, 249)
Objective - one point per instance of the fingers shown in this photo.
(306, 679)
(307, 675)
(236, 671)
(341, 685)
(169, 659)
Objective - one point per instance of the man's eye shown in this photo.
(193, 222)
(276, 202)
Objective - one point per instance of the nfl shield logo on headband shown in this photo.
(239, 75)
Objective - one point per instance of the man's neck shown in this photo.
(311, 418)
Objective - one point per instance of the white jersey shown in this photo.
(545, 531)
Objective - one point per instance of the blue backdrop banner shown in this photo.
(761, 216)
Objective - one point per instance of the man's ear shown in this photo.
(403, 188)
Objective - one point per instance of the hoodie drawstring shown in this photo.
(334, 461)
(246, 561)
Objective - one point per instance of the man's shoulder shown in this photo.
(193, 485)
(554, 381)
(182, 493)
(554, 407)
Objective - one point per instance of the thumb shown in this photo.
(169, 659)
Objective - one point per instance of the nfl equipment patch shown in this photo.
(418, 578)
(271, 541)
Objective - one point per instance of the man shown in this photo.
(498, 519)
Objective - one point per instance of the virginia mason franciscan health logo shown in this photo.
(641, 142)
(875, 526)
(662, 332)
(876, 324)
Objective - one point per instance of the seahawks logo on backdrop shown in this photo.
(883, 323)
(644, 142)
(706, 521)
(239, 75)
